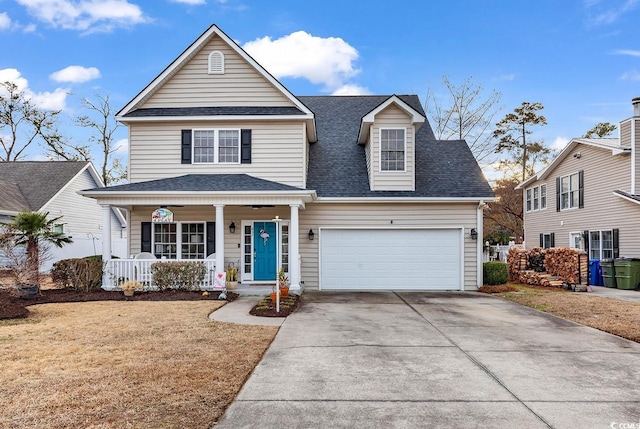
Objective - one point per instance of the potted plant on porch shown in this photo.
(130, 286)
(33, 232)
(232, 276)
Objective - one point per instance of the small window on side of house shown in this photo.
(529, 199)
(216, 62)
(543, 197)
(58, 228)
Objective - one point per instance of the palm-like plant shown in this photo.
(33, 229)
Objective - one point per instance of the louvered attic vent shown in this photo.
(216, 62)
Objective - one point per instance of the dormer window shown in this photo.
(392, 149)
(216, 62)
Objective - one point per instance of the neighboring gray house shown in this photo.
(52, 186)
(589, 196)
(344, 193)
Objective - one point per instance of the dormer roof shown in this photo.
(417, 117)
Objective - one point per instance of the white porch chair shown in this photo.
(143, 267)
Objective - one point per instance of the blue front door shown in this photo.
(264, 248)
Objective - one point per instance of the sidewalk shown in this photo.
(238, 312)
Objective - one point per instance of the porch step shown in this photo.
(252, 290)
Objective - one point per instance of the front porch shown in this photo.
(217, 220)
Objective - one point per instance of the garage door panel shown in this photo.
(391, 259)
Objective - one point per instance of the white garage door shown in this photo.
(368, 259)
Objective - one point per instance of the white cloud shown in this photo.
(611, 15)
(122, 146)
(54, 100)
(351, 89)
(507, 77)
(85, 15)
(5, 21)
(190, 2)
(75, 74)
(326, 61)
(629, 52)
(631, 75)
(559, 143)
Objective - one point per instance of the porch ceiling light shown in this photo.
(311, 234)
(474, 234)
(232, 228)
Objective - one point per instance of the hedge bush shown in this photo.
(495, 273)
(178, 275)
(81, 274)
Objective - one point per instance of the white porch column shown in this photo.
(106, 244)
(294, 252)
(106, 233)
(219, 238)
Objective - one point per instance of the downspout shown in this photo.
(479, 223)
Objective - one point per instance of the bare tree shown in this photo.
(512, 132)
(504, 216)
(466, 114)
(101, 122)
(22, 123)
(600, 130)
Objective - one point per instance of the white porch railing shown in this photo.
(118, 271)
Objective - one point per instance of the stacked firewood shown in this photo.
(517, 261)
(530, 277)
(536, 259)
(570, 265)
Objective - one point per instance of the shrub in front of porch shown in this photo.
(81, 274)
(495, 273)
(178, 275)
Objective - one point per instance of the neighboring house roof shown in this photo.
(11, 198)
(612, 144)
(338, 168)
(200, 183)
(216, 111)
(40, 181)
(627, 196)
(32, 185)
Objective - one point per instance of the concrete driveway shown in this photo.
(437, 360)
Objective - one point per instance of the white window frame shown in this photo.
(212, 66)
(178, 242)
(572, 240)
(216, 145)
(600, 248)
(404, 130)
(530, 198)
(570, 192)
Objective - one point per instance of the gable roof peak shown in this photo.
(417, 118)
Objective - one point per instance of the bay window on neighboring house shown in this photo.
(536, 198)
(570, 191)
(603, 244)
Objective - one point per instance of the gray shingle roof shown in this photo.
(337, 165)
(39, 181)
(202, 183)
(215, 111)
(11, 198)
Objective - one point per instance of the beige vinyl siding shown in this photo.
(326, 215)
(81, 215)
(321, 215)
(193, 86)
(625, 133)
(392, 117)
(603, 173)
(277, 151)
(636, 154)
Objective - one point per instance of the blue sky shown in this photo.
(579, 58)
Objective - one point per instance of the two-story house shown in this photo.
(343, 192)
(588, 196)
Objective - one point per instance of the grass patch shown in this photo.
(615, 316)
(124, 364)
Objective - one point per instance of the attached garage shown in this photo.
(387, 259)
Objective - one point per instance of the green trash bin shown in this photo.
(608, 272)
(627, 273)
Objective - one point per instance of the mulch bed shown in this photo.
(497, 289)
(12, 307)
(267, 308)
